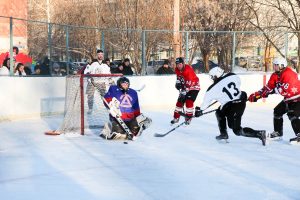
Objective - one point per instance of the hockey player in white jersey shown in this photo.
(226, 90)
(98, 66)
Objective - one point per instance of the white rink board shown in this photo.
(27, 97)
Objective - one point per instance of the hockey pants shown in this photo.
(188, 100)
(132, 125)
(233, 112)
(293, 112)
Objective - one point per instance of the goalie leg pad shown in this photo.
(106, 132)
(117, 136)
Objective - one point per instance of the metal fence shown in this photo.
(70, 47)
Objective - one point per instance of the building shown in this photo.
(15, 9)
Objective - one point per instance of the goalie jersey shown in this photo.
(224, 90)
(129, 103)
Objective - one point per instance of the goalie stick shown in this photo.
(173, 129)
(129, 134)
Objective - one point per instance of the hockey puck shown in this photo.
(125, 142)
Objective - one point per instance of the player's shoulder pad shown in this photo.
(220, 79)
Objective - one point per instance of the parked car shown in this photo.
(199, 66)
(76, 66)
(241, 62)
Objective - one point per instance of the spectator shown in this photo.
(6, 63)
(126, 68)
(45, 66)
(165, 69)
(107, 61)
(4, 69)
(20, 70)
(37, 69)
(27, 68)
(120, 69)
(15, 51)
(56, 70)
(172, 63)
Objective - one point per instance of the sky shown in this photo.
(188, 163)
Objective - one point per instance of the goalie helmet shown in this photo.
(215, 73)
(281, 62)
(123, 80)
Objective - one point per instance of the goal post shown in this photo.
(84, 109)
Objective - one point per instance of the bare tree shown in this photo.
(213, 17)
(121, 22)
(274, 18)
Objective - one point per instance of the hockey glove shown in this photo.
(198, 112)
(264, 92)
(183, 92)
(178, 85)
(254, 97)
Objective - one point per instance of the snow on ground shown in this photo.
(186, 164)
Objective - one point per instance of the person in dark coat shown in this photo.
(125, 68)
(165, 69)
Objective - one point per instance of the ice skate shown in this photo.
(295, 140)
(222, 138)
(275, 136)
(263, 137)
(174, 121)
(188, 120)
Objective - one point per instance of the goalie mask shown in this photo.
(121, 81)
(215, 73)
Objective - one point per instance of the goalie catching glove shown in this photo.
(143, 122)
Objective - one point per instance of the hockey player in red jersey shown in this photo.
(226, 90)
(283, 81)
(188, 85)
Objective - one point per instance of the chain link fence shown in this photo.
(60, 50)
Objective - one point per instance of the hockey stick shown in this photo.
(129, 134)
(173, 129)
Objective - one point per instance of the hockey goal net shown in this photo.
(84, 108)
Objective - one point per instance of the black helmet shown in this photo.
(179, 60)
(123, 80)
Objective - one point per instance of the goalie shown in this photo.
(123, 104)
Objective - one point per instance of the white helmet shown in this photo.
(281, 62)
(216, 73)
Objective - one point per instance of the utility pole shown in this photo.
(176, 33)
(49, 28)
(48, 11)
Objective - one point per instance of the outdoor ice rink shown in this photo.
(186, 164)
